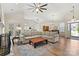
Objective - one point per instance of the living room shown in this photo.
(39, 29)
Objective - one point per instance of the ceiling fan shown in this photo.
(38, 7)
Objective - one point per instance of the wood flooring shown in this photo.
(65, 47)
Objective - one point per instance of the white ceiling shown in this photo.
(56, 12)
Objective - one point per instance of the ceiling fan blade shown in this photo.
(43, 8)
(44, 5)
(39, 3)
(33, 10)
(34, 4)
(40, 10)
(37, 12)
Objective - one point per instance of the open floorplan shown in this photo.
(39, 29)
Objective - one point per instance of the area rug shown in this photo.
(29, 50)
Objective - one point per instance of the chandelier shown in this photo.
(73, 18)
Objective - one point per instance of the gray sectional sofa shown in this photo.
(51, 36)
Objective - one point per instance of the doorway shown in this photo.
(74, 29)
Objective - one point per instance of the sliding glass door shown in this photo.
(75, 29)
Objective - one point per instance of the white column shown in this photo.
(2, 19)
(2, 26)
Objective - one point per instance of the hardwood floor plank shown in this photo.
(65, 47)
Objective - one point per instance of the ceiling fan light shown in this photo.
(37, 10)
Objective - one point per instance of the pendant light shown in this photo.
(73, 18)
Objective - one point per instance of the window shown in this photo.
(75, 29)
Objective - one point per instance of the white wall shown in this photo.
(21, 15)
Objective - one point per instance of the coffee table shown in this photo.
(37, 40)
